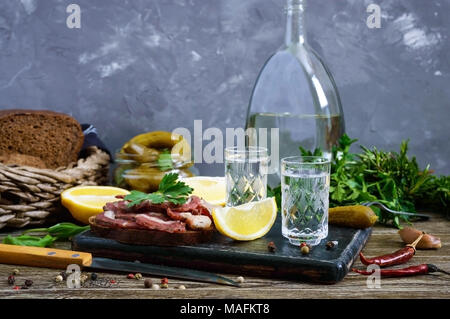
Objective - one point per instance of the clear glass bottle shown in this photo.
(295, 92)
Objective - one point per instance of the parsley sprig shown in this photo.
(169, 190)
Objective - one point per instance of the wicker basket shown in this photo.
(31, 196)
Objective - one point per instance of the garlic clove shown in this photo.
(428, 241)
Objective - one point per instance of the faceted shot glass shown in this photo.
(305, 184)
(245, 174)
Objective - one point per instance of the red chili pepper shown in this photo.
(422, 269)
(399, 257)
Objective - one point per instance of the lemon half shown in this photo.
(248, 221)
(86, 201)
(211, 189)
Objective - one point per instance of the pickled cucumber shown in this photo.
(142, 169)
(147, 147)
(144, 179)
(157, 139)
(140, 153)
(356, 216)
(147, 179)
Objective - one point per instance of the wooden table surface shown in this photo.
(383, 240)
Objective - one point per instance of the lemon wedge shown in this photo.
(211, 189)
(248, 221)
(86, 201)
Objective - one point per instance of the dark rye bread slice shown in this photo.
(53, 137)
(148, 237)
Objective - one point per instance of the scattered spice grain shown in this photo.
(271, 247)
(148, 283)
(304, 249)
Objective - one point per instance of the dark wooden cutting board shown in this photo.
(224, 255)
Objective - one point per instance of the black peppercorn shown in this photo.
(148, 283)
(28, 282)
(11, 280)
(63, 275)
(271, 247)
(331, 244)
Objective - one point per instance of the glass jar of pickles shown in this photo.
(145, 159)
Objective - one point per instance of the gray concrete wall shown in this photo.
(145, 65)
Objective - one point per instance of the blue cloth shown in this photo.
(91, 139)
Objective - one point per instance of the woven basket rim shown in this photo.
(29, 195)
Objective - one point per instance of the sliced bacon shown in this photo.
(165, 217)
(116, 207)
(198, 222)
(104, 220)
(155, 223)
(159, 215)
(125, 216)
(193, 205)
(194, 222)
(176, 215)
(145, 206)
(202, 210)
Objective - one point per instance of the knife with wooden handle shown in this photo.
(60, 259)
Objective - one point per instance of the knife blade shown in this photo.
(158, 270)
(60, 259)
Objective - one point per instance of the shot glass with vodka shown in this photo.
(305, 184)
(246, 174)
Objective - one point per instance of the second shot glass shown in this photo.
(245, 174)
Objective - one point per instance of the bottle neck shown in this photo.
(295, 30)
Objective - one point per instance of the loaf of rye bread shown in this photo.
(52, 137)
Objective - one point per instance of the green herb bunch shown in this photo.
(390, 178)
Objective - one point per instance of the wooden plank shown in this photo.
(353, 286)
